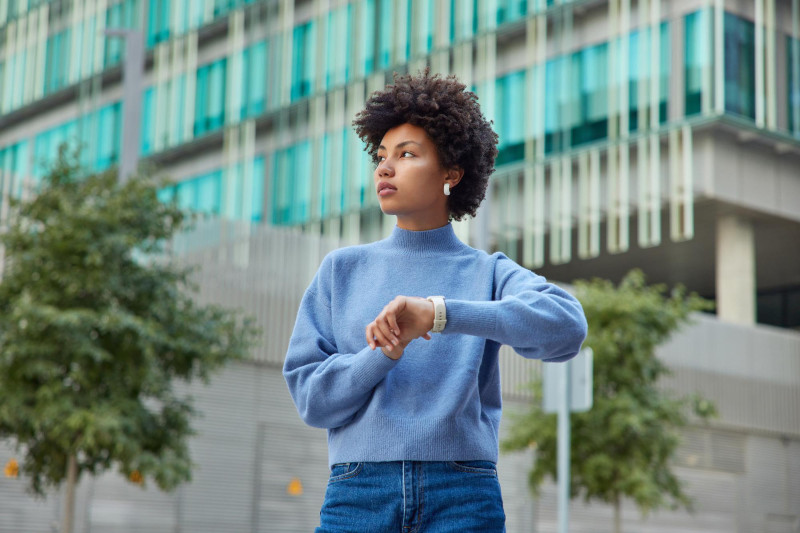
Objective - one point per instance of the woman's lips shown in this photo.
(385, 188)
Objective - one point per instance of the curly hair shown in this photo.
(452, 119)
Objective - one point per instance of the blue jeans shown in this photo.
(413, 496)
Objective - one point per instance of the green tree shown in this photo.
(96, 327)
(622, 447)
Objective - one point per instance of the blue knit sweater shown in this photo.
(441, 400)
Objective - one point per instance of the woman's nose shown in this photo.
(384, 169)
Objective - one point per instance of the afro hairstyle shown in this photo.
(452, 119)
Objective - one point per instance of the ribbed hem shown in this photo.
(436, 240)
(477, 318)
(441, 439)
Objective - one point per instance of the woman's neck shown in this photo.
(422, 224)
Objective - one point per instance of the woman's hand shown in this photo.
(402, 320)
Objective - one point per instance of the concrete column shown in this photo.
(736, 270)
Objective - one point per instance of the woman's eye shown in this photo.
(409, 153)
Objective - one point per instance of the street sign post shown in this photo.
(567, 388)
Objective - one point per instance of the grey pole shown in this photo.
(563, 447)
(132, 74)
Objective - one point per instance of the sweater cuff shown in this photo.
(371, 366)
(471, 318)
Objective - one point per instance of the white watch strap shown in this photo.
(439, 313)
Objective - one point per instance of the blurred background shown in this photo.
(663, 135)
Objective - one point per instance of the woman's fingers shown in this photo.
(370, 336)
(379, 334)
(385, 330)
(384, 333)
(392, 318)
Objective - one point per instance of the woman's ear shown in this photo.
(454, 175)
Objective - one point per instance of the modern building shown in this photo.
(663, 135)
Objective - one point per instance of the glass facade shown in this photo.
(190, 94)
(740, 67)
(14, 163)
(97, 134)
(698, 59)
(254, 80)
(210, 100)
(237, 193)
(793, 92)
(303, 64)
(291, 190)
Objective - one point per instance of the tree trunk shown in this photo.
(617, 516)
(69, 500)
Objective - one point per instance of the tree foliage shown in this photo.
(96, 328)
(621, 447)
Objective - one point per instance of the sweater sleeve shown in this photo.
(536, 318)
(328, 387)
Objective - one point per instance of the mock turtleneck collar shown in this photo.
(442, 239)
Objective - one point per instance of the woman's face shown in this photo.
(409, 179)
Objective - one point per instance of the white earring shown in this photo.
(447, 189)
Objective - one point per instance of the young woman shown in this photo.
(413, 417)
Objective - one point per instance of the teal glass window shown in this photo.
(254, 83)
(210, 98)
(158, 14)
(509, 121)
(120, 15)
(429, 6)
(246, 200)
(331, 186)
(463, 25)
(337, 60)
(367, 46)
(291, 185)
(56, 61)
(387, 29)
(301, 182)
(793, 80)
(201, 194)
(47, 143)
(280, 195)
(208, 193)
(13, 92)
(14, 167)
(166, 195)
(697, 57)
(223, 6)
(577, 86)
(641, 70)
(195, 12)
(740, 89)
(97, 134)
(511, 10)
(557, 100)
(351, 172)
(257, 193)
(109, 127)
(176, 111)
(386, 26)
(303, 67)
(205, 193)
(148, 119)
(593, 87)
(325, 177)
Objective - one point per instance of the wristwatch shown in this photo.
(439, 313)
